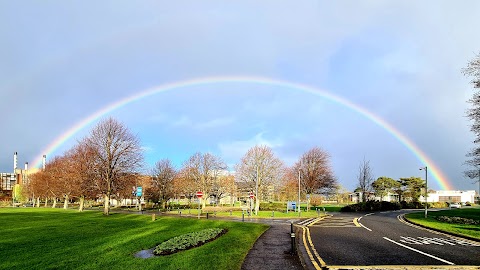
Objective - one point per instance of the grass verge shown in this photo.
(472, 231)
(66, 239)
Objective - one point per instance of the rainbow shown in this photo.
(438, 175)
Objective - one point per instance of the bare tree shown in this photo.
(365, 178)
(116, 151)
(82, 162)
(316, 175)
(259, 169)
(163, 175)
(473, 70)
(184, 184)
(223, 185)
(204, 169)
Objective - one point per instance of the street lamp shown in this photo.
(299, 169)
(426, 189)
(256, 193)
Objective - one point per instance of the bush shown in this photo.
(437, 205)
(273, 206)
(371, 206)
(187, 241)
(457, 220)
(412, 205)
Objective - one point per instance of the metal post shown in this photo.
(292, 237)
(298, 192)
(256, 193)
(426, 190)
(198, 208)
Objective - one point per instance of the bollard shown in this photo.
(153, 217)
(243, 216)
(207, 215)
(292, 237)
(180, 213)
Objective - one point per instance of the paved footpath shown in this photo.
(273, 250)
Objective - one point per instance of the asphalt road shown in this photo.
(383, 239)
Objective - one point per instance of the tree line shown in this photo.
(406, 188)
(108, 163)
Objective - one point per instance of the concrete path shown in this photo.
(273, 250)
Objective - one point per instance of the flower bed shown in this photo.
(457, 220)
(187, 241)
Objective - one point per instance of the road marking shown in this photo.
(401, 218)
(418, 251)
(305, 221)
(334, 222)
(305, 244)
(322, 263)
(363, 226)
(436, 241)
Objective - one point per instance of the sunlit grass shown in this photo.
(66, 239)
(461, 229)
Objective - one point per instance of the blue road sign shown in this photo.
(139, 191)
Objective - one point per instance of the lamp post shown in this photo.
(256, 193)
(299, 209)
(426, 189)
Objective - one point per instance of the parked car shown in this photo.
(455, 205)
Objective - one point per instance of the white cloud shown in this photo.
(234, 150)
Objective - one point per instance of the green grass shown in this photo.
(461, 229)
(66, 239)
(261, 214)
(264, 214)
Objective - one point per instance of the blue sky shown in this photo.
(401, 60)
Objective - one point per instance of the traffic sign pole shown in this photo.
(199, 196)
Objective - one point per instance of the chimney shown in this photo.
(14, 161)
(44, 161)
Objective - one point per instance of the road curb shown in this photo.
(440, 231)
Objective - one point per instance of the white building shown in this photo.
(458, 196)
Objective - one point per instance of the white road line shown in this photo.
(418, 251)
(306, 221)
(364, 227)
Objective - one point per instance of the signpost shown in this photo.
(139, 194)
(199, 196)
(251, 201)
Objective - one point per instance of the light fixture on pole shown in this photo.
(426, 189)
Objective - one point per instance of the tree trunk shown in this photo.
(308, 201)
(34, 202)
(54, 203)
(65, 203)
(106, 210)
(38, 202)
(82, 201)
(46, 202)
(257, 206)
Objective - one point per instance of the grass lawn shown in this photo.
(265, 214)
(37, 238)
(462, 229)
(261, 214)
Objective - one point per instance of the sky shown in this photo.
(400, 61)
